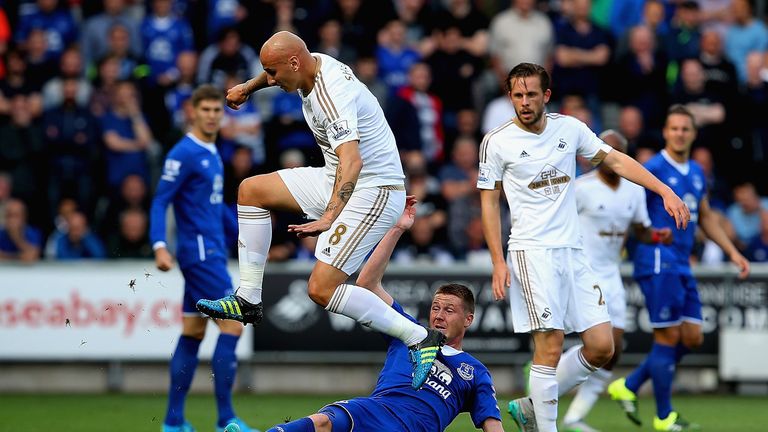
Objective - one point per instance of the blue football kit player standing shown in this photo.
(193, 182)
(456, 383)
(664, 275)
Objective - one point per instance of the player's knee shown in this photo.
(693, 341)
(249, 192)
(319, 292)
(599, 353)
(322, 423)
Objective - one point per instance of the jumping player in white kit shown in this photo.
(552, 287)
(354, 199)
(608, 207)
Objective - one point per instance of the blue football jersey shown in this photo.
(687, 181)
(59, 26)
(457, 383)
(193, 181)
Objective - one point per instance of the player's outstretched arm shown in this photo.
(492, 425)
(347, 173)
(373, 271)
(491, 217)
(238, 94)
(709, 221)
(631, 170)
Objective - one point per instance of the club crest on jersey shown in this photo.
(698, 183)
(550, 182)
(562, 145)
(466, 372)
(171, 169)
(339, 129)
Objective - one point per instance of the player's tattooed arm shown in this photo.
(347, 173)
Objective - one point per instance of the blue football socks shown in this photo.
(300, 425)
(224, 368)
(182, 368)
(662, 360)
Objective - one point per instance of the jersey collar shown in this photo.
(211, 147)
(683, 168)
(449, 351)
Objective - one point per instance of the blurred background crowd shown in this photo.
(93, 94)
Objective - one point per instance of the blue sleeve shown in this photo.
(484, 404)
(175, 173)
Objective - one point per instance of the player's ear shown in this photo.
(547, 95)
(468, 319)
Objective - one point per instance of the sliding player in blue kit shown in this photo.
(193, 181)
(664, 275)
(457, 382)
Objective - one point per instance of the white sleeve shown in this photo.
(590, 146)
(341, 108)
(490, 171)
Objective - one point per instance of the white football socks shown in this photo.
(573, 369)
(587, 395)
(369, 310)
(544, 395)
(254, 239)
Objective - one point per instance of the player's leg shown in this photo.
(596, 383)
(224, 371)
(535, 299)
(340, 251)
(182, 369)
(295, 190)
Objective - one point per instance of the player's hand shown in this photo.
(742, 263)
(409, 213)
(677, 209)
(237, 96)
(310, 229)
(664, 235)
(500, 281)
(163, 259)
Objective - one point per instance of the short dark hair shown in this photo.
(682, 110)
(524, 70)
(206, 92)
(460, 291)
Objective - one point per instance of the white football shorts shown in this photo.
(368, 215)
(610, 282)
(554, 289)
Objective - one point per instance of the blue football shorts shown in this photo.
(208, 279)
(671, 298)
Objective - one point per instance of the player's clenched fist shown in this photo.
(237, 95)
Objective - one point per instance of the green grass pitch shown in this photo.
(134, 413)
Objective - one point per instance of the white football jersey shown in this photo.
(537, 172)
(340, 109)
(606, 214)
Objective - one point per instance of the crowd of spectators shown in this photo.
(94, 93)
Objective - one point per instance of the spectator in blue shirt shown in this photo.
(79, 242)
(745, 35)
(59, 26)
(19, 241)
(745, 212)
(164, 37)
(126, 136)
(394, 56)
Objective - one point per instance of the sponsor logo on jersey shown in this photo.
(524, 154)
(550, 182)
(441, 372)
(466, 372)
(562, 145)
(327, 251)
(339, 129)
